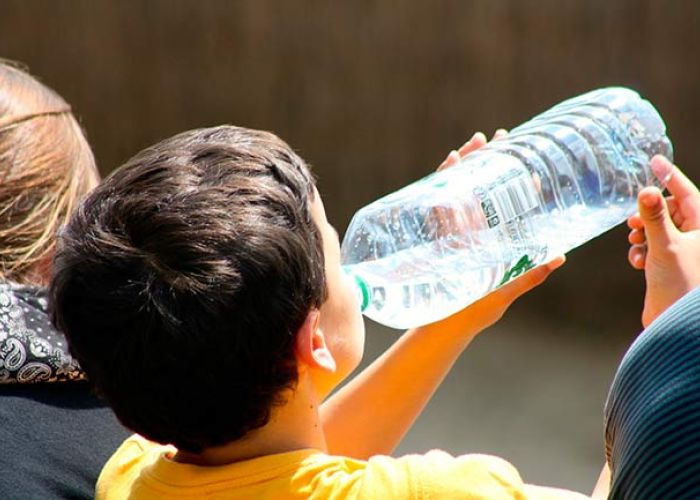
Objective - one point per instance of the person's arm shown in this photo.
(371, 414)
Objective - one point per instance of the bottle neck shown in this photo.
(362, 289)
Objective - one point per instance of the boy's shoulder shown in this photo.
(142, 469)
(126, 464)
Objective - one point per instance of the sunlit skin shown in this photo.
(340, 319)
(665, 239)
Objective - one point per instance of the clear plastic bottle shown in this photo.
(567, 175)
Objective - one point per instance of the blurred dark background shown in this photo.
(374, 94)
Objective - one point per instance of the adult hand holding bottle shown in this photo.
(665, 238)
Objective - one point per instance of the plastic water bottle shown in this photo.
(567, 175)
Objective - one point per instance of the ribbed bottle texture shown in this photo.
(567, 175)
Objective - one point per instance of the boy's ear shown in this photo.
(311, 346)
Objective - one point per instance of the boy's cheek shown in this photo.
(342, 318)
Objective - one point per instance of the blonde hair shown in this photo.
(46, 166)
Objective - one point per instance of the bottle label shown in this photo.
(521, 267)
(487, 207)
(506, 197)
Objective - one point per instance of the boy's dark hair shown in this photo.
(181, 281)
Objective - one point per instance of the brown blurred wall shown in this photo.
(373, 93)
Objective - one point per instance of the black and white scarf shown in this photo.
(31, 351)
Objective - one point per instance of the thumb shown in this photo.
(658, 226)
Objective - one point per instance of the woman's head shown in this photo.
(46, 166)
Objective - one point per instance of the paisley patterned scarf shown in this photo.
(31, 351)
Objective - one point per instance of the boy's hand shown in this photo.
(665, 238)
(478, 140)
(489, 309)
(486, 311)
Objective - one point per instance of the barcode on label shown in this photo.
(513, 197)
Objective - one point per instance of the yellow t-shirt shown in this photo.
(141, 469)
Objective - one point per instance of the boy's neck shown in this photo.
(294, 425)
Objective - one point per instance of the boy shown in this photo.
(200, 288)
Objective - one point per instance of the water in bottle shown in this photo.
(567, 175)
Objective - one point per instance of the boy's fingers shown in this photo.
(477, 141)
(532, 278)
(501, 132)
(637, 256)
(556, 262)
(658, 226)
(452, 159)
(676, 182)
